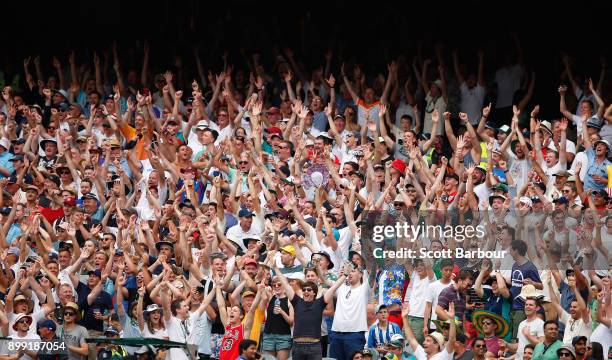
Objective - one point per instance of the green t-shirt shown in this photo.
(541, 352)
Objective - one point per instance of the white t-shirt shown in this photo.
(433, 292)
(420, 354)
(482, 191)
(351, 315)
(582, 158)
(345, 241)
(536, 328)
(603, 335)
(28, 338)
(440, 105)
(236, 233)
(156, 334)
(226, 132)
(471, 101)
(560, 238)
(570, 147)
(416, 293)
(36, 317)
(200, 335)
(179, 333)
(508, 80)
(574, 327)
(519, 169)
(551, 171)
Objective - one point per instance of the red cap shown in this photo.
(273, 110)
(399, 165)
(70, 201)
(274, 130)
(249, 260)
(189, 169)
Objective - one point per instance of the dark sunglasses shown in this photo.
(307, 289)
(69, 313)
(562, 354)
(24, 321)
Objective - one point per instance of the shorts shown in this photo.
(276, 342)
(215, 345)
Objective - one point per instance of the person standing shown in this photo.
(350, 320)
(530, 330)
(236, 330)
(308, 314)
(72, 334)
(547, 349)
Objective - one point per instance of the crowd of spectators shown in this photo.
(235, 211)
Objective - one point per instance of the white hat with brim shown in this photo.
(438, 337)
(546, 126)
(529, 291)
(567, 347)
(19, 317)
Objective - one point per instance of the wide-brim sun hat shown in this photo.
(502, 325)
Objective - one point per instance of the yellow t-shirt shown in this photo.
(258, 320)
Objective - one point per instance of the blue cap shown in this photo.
(245, 213)
(49, 324)
(95, 272)
(561, 200)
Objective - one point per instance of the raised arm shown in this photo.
(348, 85)
(458, 74)
(221, 303)
(328, 297)
(288, 289)
(562, 106)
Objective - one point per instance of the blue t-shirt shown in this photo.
(595, 169)
(520, 273)
(103, 302)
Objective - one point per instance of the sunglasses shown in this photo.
(277, 285)
(24, 321)
(307, 289)
(486, 322)
(69, 313)
(283, 147)
(565, 354)
(243, 162)
(479, 346)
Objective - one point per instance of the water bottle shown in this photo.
(277, 303)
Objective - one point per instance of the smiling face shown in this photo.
(431, 346)
(551, 331)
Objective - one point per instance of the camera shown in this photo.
(444, 198)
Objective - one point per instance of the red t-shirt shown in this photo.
(229, 345)
(50, 214)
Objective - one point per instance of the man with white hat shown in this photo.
(553, 161)
(6, 166)
(434, 347)
(21, 327)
